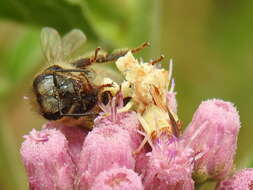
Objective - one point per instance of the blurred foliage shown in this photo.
(60, 14)
(210, 41)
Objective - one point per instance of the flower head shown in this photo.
(170, 165)
(213, 131)
(47, 160)
(241, 180)
(104, 147)
(74, 135)
(117, 179)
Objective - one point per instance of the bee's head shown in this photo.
(54, 94)
(44, 88)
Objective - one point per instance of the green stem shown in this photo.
(198, 186)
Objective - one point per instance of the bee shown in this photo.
(65, 87)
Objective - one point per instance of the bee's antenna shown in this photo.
(139, 48)
(153, 62)
(94, 59)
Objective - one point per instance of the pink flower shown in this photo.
(104, 147)
(213, 132)
(128, 121)
(74, 135)
(172, 101)
(47, 160)
(125, 120)
(117, 179)
(241, 180)
(170, 166)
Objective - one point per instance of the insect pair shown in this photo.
(65, 88)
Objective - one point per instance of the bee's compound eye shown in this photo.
(45, 85)
(65, 84)
(105, 97)
(49, 104)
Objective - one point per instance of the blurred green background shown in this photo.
(210, 41)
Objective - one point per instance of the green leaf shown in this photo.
(60, 14)
(110, 23)
(129, 25)
(144, 25)
(23, 56)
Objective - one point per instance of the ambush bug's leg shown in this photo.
(147, 139)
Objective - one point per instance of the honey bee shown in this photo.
(65, 87)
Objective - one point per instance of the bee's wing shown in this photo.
(72, 41)
(51, 44)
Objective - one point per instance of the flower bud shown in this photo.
(118, 179)
(127, 121)
(213, 133)
(74, 135)
(47, 160)
(241, 180)
(170, 166)
(103, 148)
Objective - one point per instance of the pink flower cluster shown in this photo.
(70, 158)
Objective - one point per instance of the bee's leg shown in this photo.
(74, 114)
(141, 47)
(153, 62)
(71, 70)
(84, 62)
(79, 114)
(94, 59)
(57, 94)
(115, 56)
(59, 106)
